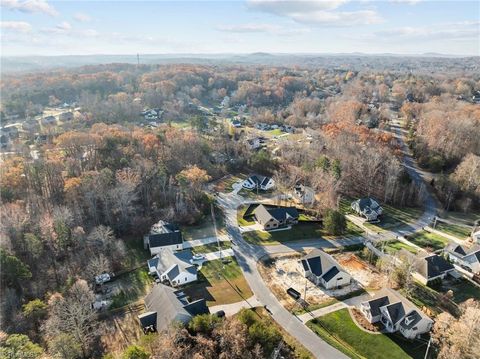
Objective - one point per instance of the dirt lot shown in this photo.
(365, 274)
(284, 271)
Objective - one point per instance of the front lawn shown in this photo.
(211, 247)
(243, 218)
(456, 231)
(297, 232)
(428, 241)
(392, 247)
(220, 283)
(339, 330)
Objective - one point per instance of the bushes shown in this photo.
(335, 222)
(204, 323)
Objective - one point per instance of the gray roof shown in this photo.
(455, 249)
(164, 239)
(174, 262)
(321, 264)
(432, 265)
(165, 304)
(259, 180)
(278, 213)
(411, 320)
(393, 300)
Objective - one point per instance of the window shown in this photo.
(185, 279)
(339, 278)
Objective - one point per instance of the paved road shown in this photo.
(248, 254)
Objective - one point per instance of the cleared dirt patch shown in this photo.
(368, 276)
(281, 272)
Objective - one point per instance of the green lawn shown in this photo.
(275, 132)
(226, 185)
(249, 220)
(220, 283)
(298, 231)
(134, 286)
(426, 240)
(329, 302)
(339, 330)
(205, 228)
(466, 218)
(457, 231)
(212, 247)
(392, 247)
(136, 254)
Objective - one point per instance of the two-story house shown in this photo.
(321, 269)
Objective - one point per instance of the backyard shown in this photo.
(205, 228)
(392, 247)
(462, 290)
(428, 241)
(298, 232)
(130, 287)
(220, 283)
(339, 330)
(454, 230)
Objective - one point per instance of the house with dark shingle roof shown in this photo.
(368, 208)
(465, 257)
(163, 235)
(255, 181)
(165, 305)
(321, 269)
(396, 313)
(429, 267)
(276, 217)
(174, 268)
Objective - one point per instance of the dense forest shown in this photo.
(107, 177)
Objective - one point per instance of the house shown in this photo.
(254, 143)
(176, 268)
(49, 120)
(368, 208)
(30, 125)
(303, 194)
(476, 237)
(476, 98)
(429, 267)
(321, 269)
(66, 116)
(258, 182)
(165, 305)
(163, 235)
(464, 257)
(396, 313)
(278, 217)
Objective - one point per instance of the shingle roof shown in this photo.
(322, 263)
(332, 272)
(375, 305)
(411, 320)
(165, 304)
(279, 213)
(164, 239)
(455, 248)
(396, 311)
(167, 259)
(432, 266)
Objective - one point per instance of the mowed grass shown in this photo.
(212, 247)
(392, 247)
(456, 231)
(428, 241)
(466, 218)
(244, 221)
(339, 330)
(205, 228)
(220, 283)
(297, 232)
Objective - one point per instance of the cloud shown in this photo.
(262, 28)
(81, 17)
(409, 2)
(30, 6)
(319, 12)
(457, 31)
(16, 26)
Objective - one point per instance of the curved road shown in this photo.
(248, 255)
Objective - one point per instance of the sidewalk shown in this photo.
(216, 255)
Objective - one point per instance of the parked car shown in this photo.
(103, 278)
(293, 293)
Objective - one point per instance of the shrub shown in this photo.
(335, 222)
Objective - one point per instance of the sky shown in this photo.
(41, 27)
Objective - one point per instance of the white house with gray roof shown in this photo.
(174, 268)
(368, 208)
(428, 267)
(321, 269)
(396, 313)
(263, 183)
(163, 235)
(465, 257)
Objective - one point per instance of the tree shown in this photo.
(64, 346)
(204, 323)
(135, 352)
(36, 311)
(13, 270)
(73, 314)
(334, 222)
(19, 346)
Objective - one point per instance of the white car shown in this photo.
(197, 258)
(102, 278)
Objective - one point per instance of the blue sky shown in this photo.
(41, 27)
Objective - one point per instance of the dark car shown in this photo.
(293, 293)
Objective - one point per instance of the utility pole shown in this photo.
(138, 59)
(215, 229)
(428, 347)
